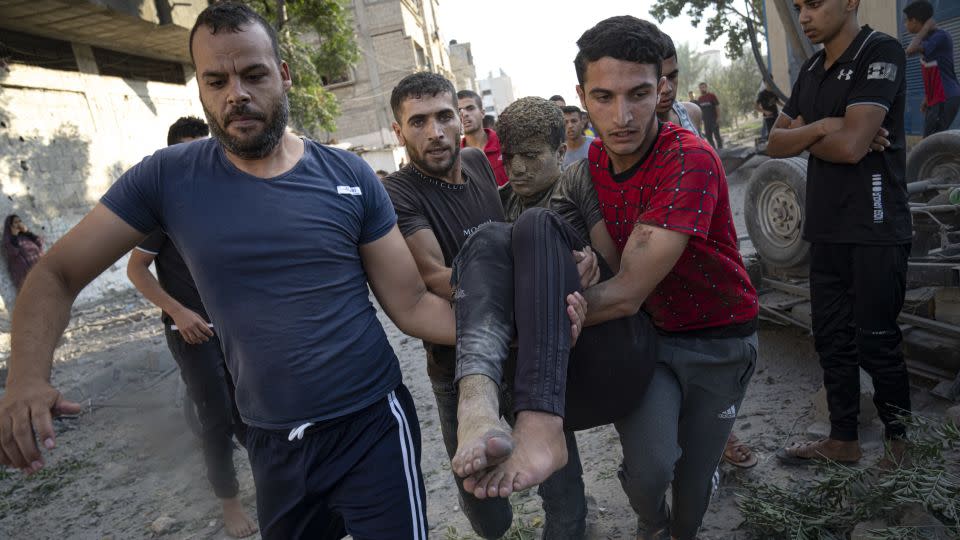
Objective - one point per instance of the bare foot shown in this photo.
(482, 439)
(236, 520)
(541, 450)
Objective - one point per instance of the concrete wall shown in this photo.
(461, 62)
(497, 93)
(387, 32)
(181, 12)
(66, 137)
(881, 15)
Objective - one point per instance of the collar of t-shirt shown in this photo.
(620, 177)
(850, 54)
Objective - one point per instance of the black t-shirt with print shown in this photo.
(866, 202)
(453, 212)
(172, 273)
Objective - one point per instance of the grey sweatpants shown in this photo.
(677, 433)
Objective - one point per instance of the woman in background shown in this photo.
(21, 248)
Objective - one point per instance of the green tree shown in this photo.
(722, 17)
(317, 41)
(736, 87)
(692, 66)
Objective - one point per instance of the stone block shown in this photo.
(947, 301)
(953, 415)
(863, 530)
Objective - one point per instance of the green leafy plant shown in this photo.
(317, 41)
(831, 506)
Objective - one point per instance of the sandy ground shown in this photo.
(129, 459)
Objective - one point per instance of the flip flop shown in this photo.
(735, 447)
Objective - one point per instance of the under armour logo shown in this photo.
(845, 75)
(882, 70)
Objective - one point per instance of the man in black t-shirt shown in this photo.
(195, 347)
(846, 109)
(442, 197)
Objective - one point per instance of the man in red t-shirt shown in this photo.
(662, 220)
(710, 108)
(474, 134)
(663, 196)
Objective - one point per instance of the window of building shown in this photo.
(336, 81)
(137, 68)
(30, 50)
(421, 57)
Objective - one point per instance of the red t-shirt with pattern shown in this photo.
(680, 185)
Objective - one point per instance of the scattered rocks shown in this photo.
(863, 529)
(953, 414)
(164, 525)
(926, 526)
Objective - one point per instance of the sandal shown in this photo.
(806, 452)
(738, 454)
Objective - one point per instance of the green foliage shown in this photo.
(692, 69)
(830, 507)
(736, 86)
(317, 41)
(721, 16)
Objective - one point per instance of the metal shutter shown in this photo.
(947, 14)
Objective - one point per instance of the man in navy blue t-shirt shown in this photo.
(333, 436)
(941, 89)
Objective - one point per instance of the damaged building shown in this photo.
(87, 89)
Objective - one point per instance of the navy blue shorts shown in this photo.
(358, 475)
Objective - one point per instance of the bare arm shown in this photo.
(395, 280)
(916, 44)
(696, 115)
(190, 325)
(604, 245)
(42, 313)
(650, 254)
(791, 137)
(427, 254)
(859, 129)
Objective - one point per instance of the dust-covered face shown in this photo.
(532, 167)
(243, 89)
(429, 128)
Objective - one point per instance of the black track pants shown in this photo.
(856, 294)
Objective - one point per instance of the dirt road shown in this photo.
(129, 458)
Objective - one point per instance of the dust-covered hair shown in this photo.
(232, 17)
(417, 85)
(529, 121)
(622, 38)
